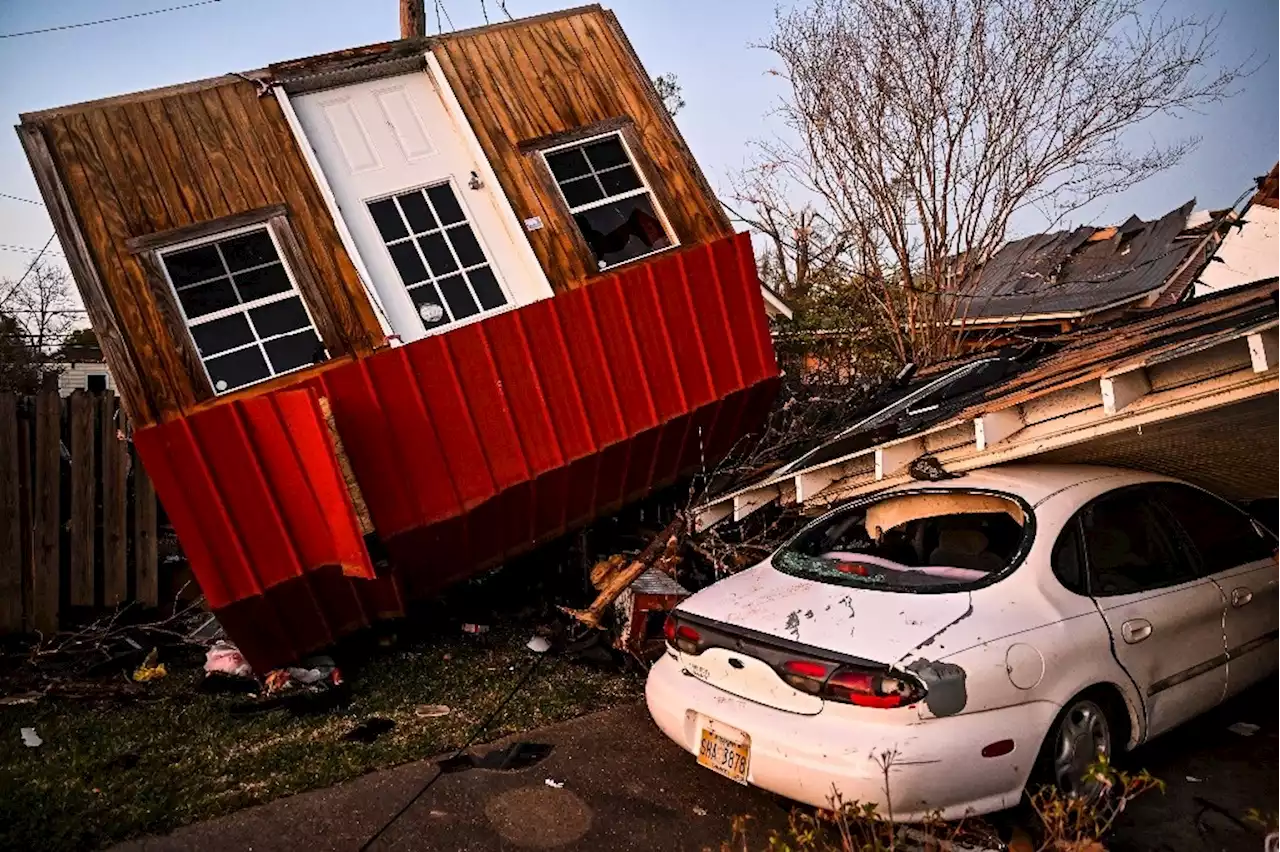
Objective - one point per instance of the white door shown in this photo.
(1166, 622)
(435, 237)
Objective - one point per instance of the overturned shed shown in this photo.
(390, 315)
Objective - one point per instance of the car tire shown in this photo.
(1083, 731)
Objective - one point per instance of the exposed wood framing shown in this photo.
(990, 429)
(892, 458)
(1122, 389)
(745, 504)
(1263, 350)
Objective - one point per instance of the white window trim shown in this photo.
(469, 220)
(644, 189)
(243, 307)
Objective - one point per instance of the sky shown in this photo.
(707, 44)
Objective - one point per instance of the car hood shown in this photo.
(879, 626)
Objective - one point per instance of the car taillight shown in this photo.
(806, 675)
(867, 688)
(684, 637)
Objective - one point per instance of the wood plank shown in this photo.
(26, 538)
(47, 520)
(206, 182)
(162, 165)
(136, 170)
(146, 590)
(134, 312)
(84, 494)
(164, 140)
(223, 170)
(85, 272)
(115, 576)
(114, 174)
(10, 518)
(256, 193)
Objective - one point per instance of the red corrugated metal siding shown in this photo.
(468, 446)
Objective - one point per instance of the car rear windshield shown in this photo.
(922, 541)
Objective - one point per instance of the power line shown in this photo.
(20, 198)
(110, 20)
(34, 261)
(25, 249)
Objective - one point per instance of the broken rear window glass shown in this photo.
(937, 540)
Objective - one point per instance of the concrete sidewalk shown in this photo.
(626, 787)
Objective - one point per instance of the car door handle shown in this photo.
(1135, 630)
(1241, 596)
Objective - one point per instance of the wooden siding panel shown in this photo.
(558, 74)
(166, 164)
(189, 148)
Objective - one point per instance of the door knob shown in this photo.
(1241, 596)
(1135, 630)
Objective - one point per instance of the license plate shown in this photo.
(727, 755)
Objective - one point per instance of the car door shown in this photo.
(1238, 554)
(1165, 621)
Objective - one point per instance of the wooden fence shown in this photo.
(78, 514)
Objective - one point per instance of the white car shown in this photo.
(1005, 626)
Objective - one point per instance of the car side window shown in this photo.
(1224, 537)
(1067, 561)
(1130, 549)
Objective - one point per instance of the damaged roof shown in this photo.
(1013, 392)
(1074, 273)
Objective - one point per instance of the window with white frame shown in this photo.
(435, 250)
(610, 202)
(242, 307)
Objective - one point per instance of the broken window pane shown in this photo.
(609, 202)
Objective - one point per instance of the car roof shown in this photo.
(1035, 483)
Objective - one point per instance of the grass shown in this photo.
(109, 771)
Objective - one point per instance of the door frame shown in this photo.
(534, 285)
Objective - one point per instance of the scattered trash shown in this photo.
(432, 711)
(369, 730)
(277, 681)
(312, 669)
(1244, 729)
(19, 698)
(926, 468)
(30, 738)
(224, 657)
(150, 668)
(301, 698)
(558, 785)
(538, 645)
(699, 811)
(475, 629)
(514, 757)
(1193, 779)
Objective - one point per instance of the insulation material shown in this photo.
(896, 511)
(467, 447)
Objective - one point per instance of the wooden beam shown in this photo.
(893, 458)
(746, 503)
(710, 515)
(413, 18)
(10, 518)
(1263, 350)
(92, 291)
(992, 428)
(1119, 391)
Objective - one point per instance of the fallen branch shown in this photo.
(613, 582)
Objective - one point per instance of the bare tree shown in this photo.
(42, 305)
(922, 127)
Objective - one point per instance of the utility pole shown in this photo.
(413, 18)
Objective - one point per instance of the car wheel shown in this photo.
(1079, 736)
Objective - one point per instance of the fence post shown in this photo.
(115, 577)
(10, 518)
(83, 497)
(46, 515)
(145, 557)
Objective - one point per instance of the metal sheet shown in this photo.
(468, 446)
